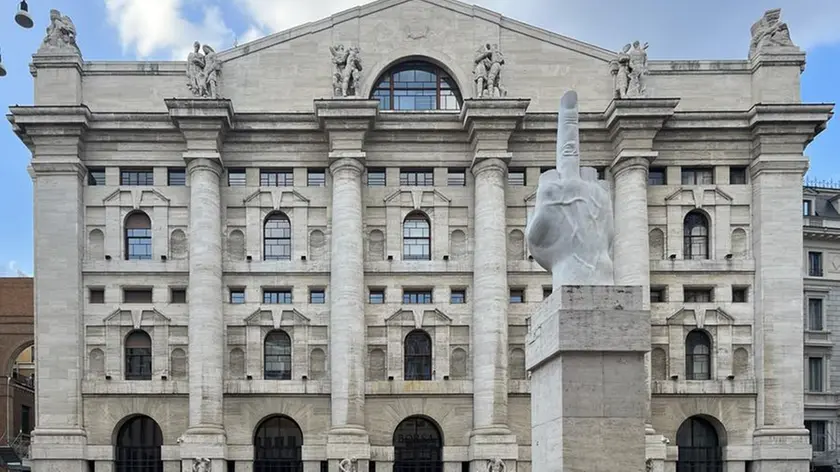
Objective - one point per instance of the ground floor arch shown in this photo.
(138, 444)
(278, 442)
(418, 446)
(700, 446)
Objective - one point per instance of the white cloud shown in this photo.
(675, 29)
(151, 27)
(12, 269)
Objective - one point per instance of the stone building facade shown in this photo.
(310, 247)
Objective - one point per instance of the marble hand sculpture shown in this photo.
(571, 231)
(348, 465)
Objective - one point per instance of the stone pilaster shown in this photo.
(780, 134)
(346, 122)
(776, 74)
(490, 123)
(58, 77)
(54, 135)
(203, 123)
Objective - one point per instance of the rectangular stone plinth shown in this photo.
(588, 390)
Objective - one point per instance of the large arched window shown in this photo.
(277, 446)
(138, 237)
(418, 356)
(277, 236)
(278, 356)
(699, 447)
(696, 236)
(417, 238)
(138, 356)
(138, 446)
(416, 85)
(698, 356)
(417, 446)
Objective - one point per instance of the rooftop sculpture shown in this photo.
(203, 71)
(347, 71)
(61, 35)
(769, 32)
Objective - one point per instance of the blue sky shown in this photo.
(165, 29)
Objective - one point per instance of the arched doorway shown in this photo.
(277, 445)
(699, 447)
(138, 446)
(418, 446)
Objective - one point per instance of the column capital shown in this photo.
(634, 123)
(201, 163)
(346, 121)
(632, 159)
(786, 128)
(349, 163)
(489, 164)
(490, 123)
(203, 123)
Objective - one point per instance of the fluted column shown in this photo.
(490, 297)
(206, 321)
(347, 290)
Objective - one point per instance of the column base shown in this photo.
(347, 442)
(586, 353)
(493, 442)
(58, 450)
(204, 442)
(656, 451)
(781, 450)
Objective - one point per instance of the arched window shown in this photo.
(418, 356)
(417, 238)
(417, 446)
(278, 356)
(138, 446)
(277, 446)
(696, 236)
(699, 447)
(277, 235)
(138, 356)
(416, 85)
(138, 237)
(698, 357)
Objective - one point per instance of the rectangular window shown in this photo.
(815, 314)
(818, 434)
(376, 177)
(97, 295)
(697, 176)
(137, 295)
(657, 176)
(376, 296)
(415, 297)
(417, 177)
(601, 172)
(316, 177)
(317, 296)
(458, 296)
(277, 178)
(178, 295)
(176, 176)
(277, 296)
(517, 295)
(516, 177)
(815, 374)
(657, 295)
(96, 176)
(236, 178)
(806, 208)
(25, 419)
(697, 295)
(237, 296)
(137, 177)
(547, 291)
(737, 175)
(739, 294)
(815, 267)
(456, 178)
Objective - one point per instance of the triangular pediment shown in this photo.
(136, 317)
(682, 317)
(404, 317)
(135, 198)
(276, 317)
(701, 318)
(276, 198)
(435, 318)
(698, 196)
(417, 199)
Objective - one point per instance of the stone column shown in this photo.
(633, 125)
(490, 124)
(346, 122)
(203, 123)
(53, 134)
(780, 134)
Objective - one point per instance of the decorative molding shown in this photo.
(278, 198)
(115, 197)
(139, 317)
(277, 318)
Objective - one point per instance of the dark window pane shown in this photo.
(456, 178)
(277, 238)
(418, 356)
(695, 295)
(696, 236)
(97, 295)
(277, 178)
(177, 177)
(137, 177)
(236, 178)
(516, 177)
(237, 296)
(96, 176)
(317, 296)
(277, 296)
(418, 177)
(815, 268)
(278, 356)
(376, 177)
(698, 348)
(376, 297)
(657, 176)
(458, 297)
(416, 85)
(697, 176)
(417, 238)
(517, 296)
(737, 175)
(316, 178)
(413, 297)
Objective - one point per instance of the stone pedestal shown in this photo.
(586, 353)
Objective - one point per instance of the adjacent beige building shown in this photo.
(314, 262)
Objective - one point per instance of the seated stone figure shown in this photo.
(570, 233)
